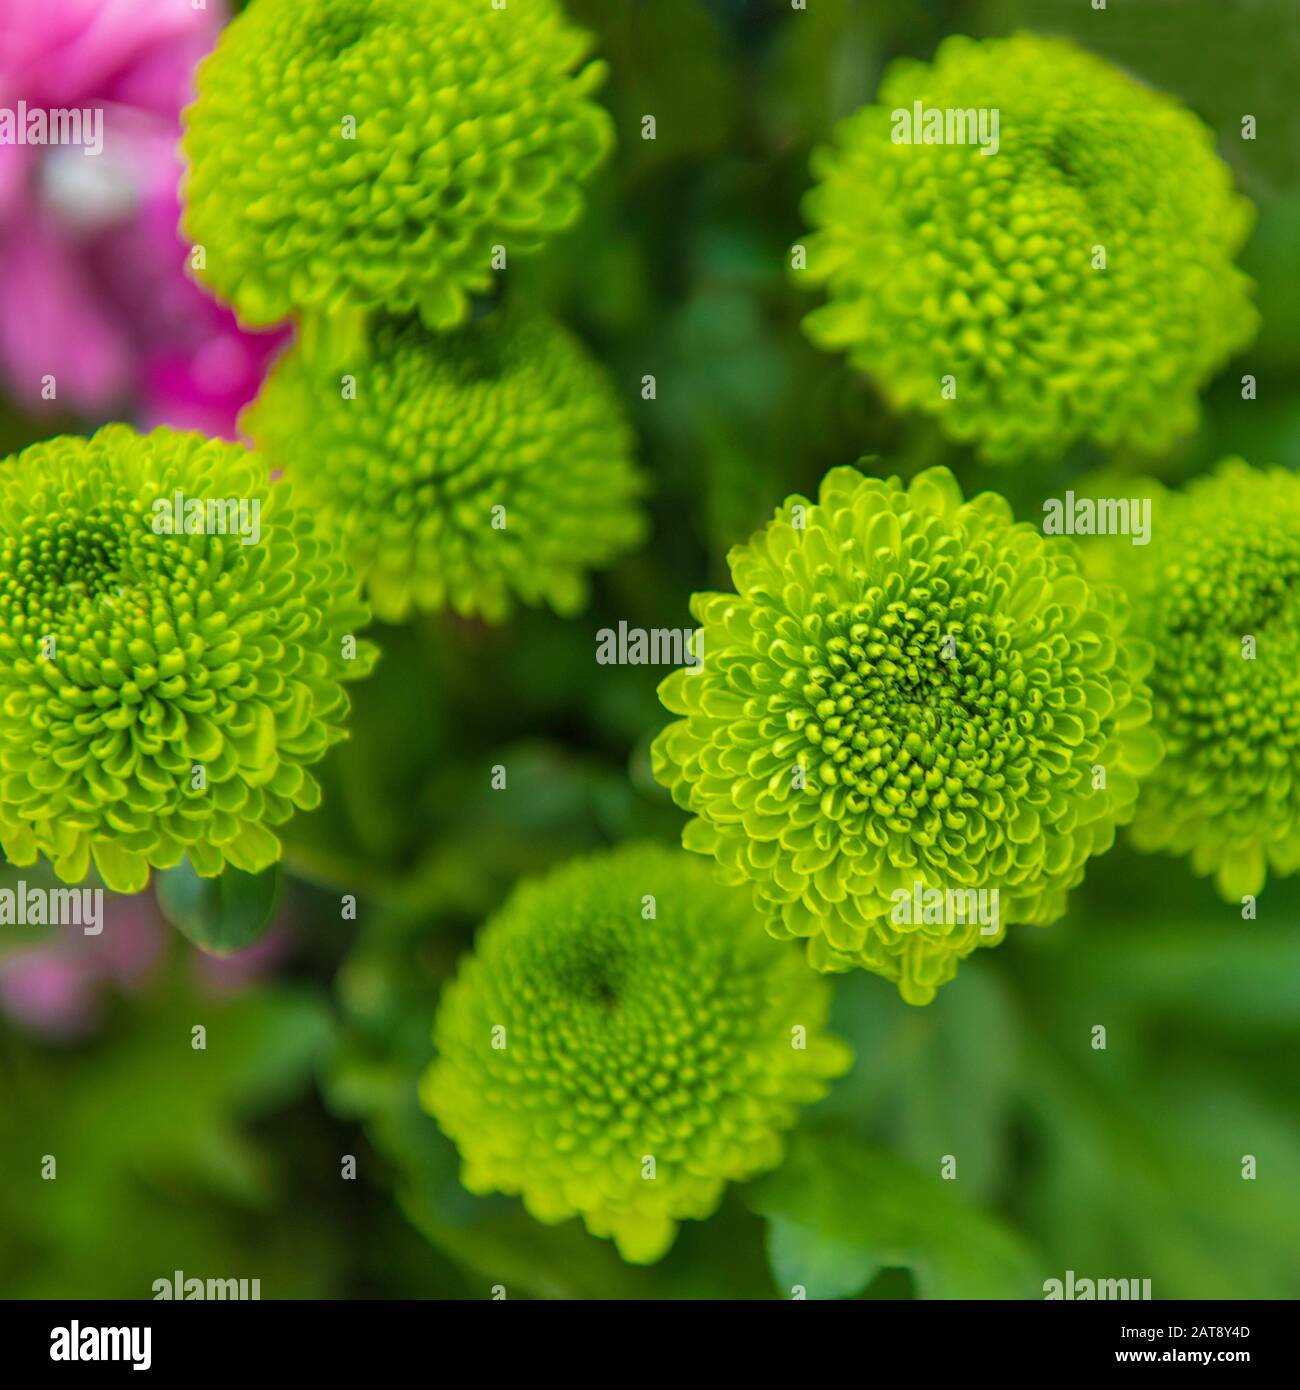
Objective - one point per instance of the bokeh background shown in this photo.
(228, 1162)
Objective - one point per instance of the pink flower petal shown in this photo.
(51, 324)
(63, 52)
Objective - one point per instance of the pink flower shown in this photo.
(93, 286)
(55, 990)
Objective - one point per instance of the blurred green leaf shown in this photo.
(155, 1164)
(219, 915)
(935, 1080)
(839, 1211)
(1135, 1174)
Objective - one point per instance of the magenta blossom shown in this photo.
(94, 294)
(56, 989)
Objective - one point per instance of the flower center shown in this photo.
(913, 709)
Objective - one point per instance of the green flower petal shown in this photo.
(130, 658)
(584, 1038)
(343, 154)
(468, 472)
(1217, 595)
(947, 260)
(907, 689)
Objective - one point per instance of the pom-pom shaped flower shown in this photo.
(1029, 244)
(623, 1043)
(464, 469)
(1217, 593)
(173, 634)
(377, 152)
(908, 696)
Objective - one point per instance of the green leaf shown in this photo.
(839, 1211)
(940, 1080)
(160, 1165)
(1142, 1170)
(1240, 977)
(219, 915)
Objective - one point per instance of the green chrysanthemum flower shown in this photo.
(585, 1038)
(1217, 593)
(467, 469)
(374, 152)
(952, 260)
(161, 695)
(908, 694)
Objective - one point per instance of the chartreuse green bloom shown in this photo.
(164, 685)
(378, 152)
(464, 471)
(1065, 273)
(907, 695)
(623, 1042)
(1217, 593)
